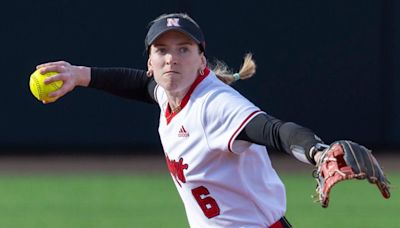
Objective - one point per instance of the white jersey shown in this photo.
(223, 182)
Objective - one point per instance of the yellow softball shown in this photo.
(41, 90)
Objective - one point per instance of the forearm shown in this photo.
(282, 136)
(123, 82)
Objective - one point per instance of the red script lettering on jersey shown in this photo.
(176, 169)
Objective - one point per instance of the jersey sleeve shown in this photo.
(226, 113)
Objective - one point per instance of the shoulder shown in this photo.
(221, 100)
(217, 91)
(214, 88)
(159, 94)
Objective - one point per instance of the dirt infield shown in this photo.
(138, 164)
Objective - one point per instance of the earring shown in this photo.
(201, 72)
(149, 73)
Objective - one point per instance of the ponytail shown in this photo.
(247, 70)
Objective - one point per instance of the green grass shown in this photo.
(117, 201)
(353, 203)
(89, 201)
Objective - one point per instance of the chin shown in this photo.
(169, 86)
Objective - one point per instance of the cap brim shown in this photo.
(157, 35)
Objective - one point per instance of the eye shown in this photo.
(161, 50)
(183, 49)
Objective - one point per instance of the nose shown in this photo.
(171, 59)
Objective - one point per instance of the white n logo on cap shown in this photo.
(173, 22)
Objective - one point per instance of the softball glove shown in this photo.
(346, 160)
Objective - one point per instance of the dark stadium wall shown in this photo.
(331, 66)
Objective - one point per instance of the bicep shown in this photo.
(263, 129)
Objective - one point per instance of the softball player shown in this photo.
(214, 139)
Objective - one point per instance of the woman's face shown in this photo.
(175, 61)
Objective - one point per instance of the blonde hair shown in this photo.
(247, 70)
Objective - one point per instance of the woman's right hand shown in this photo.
(71, 76)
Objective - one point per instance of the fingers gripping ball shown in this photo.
(41, 90)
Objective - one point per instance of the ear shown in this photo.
(149, 72)
(149, 66)
(203, 61)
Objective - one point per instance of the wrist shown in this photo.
(316, 152)
(84, 75)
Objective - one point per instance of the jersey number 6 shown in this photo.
(207, 204)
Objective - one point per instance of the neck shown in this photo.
(175, 103)
(175, 96)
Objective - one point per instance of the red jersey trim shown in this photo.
(168, 115)
(242, 125)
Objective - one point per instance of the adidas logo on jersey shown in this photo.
(183, 132)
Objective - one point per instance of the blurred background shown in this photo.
(95, 160)
(331, 66)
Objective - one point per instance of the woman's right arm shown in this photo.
(124, 82)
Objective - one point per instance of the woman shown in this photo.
(214, 139)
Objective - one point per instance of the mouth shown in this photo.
(170, 72)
